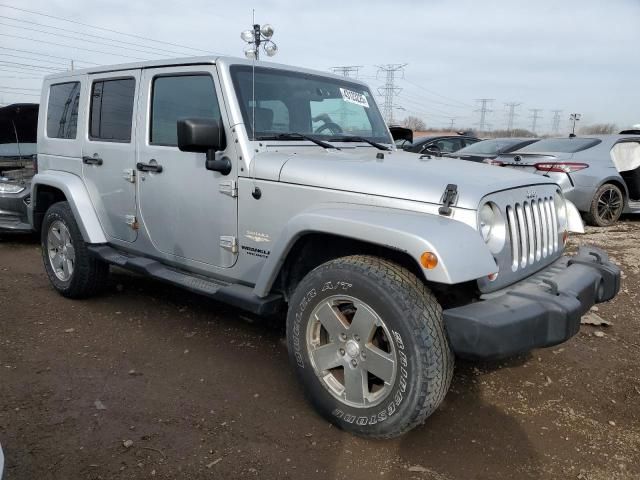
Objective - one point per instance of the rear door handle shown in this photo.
(149, 167)
(92, 160)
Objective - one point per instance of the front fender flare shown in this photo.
(462, 254)
(78, 197)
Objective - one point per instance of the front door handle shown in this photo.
(149, 167)
(92, 160)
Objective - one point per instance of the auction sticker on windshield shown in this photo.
(354, 97)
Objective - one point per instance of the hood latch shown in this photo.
(449, 197)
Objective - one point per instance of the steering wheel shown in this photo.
(333, 128)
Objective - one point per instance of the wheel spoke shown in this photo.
(53, 238)
(363, 324)
(66, 268)
(379, 363)
(71, 253)
(331, 320)
(355, 384)
(326, 357)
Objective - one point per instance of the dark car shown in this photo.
(401, 135)
(18, 130)
(491, 149)
(440, 144)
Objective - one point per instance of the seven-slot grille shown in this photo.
(533, 227)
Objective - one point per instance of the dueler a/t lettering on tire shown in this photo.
(367, 341)
(71, 269)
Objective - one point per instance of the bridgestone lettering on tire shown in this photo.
(367, 341)
(70, 268)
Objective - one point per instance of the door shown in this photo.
(189, 212)
(108, 151)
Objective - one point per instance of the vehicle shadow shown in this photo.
(468, 437)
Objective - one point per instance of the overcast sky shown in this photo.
(575, 56)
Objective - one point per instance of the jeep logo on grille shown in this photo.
(531, 194)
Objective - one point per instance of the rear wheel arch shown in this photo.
(44, 196)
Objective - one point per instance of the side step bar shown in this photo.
(239, 296)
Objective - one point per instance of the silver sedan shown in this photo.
(599, 174)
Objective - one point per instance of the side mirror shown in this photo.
(433, 150)
(204, 135)
(200, 135)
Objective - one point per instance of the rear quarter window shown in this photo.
(62, 110)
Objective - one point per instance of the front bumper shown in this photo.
(540, 311)
(13, 212)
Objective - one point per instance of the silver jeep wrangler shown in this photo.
(279, 189)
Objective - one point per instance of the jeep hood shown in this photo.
(394, 174)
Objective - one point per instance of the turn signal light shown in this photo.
(565, 237)
(428, 260)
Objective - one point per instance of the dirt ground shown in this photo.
(147, 381)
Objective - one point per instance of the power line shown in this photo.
(389, 90)
(48, 55)
(20, 88)
(438, 95)
(71, 46)
(156, 49)
(511, 115)
(347, 71)
(28, 65)
(146, 52)
(105, 29)
(421, 100)
(535, 116)
(555, 123)
(484, 110)
(31, 58)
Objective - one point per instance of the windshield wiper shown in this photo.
(296, 136)
(355, 138)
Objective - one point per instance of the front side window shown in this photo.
(62, 110)
(325, 107)
(112, 110)
(177, 97)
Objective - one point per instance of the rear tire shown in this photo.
(71, 269)
(367, 341)
(606, 207)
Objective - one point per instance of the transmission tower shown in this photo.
(555, 126)
(453, 121)
(535, 116)
(511, 115)
(389, 90)
(483, 126)
(347, 70)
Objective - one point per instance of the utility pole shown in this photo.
(555, 123)
(511, 115)
(535, 116)
(484, 110)
(389, 90)
(347, 70)
(574, 117)
(72, 64)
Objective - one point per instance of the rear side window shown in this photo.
(62, 110)
(112, 109)
(183, 96)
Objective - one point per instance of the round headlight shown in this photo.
(561, 211)
(492, 227)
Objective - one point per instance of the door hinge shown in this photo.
(132, 221)
(129, 174)
(229, 187)
(229, 243)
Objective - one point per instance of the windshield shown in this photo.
(560, 145)
(489, 147)
(293, 102)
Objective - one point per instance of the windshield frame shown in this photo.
(373, 112)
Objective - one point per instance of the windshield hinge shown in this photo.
(449, 197)
(229, 187)
(230, 243)
(132, 221)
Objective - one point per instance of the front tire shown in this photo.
(367, 341)
(606, 207)
(71, 269)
